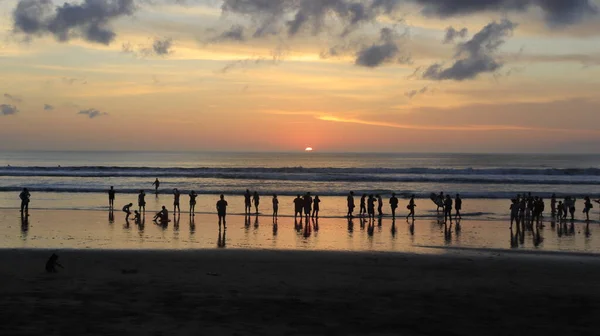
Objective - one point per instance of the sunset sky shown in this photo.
(279, 75)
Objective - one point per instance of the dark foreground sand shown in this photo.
(227, 292)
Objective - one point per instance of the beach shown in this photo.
(253, 292)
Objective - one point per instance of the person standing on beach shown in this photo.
(247, 202)
(275, 207)
(142, 201)
(553, 205)
(156, 184)
(514, 212)
(379, 205)
(193, 196)
(393, 205)
(316, 202)
(222, 210)
(25, 197)
(587, 206)
(176, 196)
(458, 206)
(307, 204)
(363, 205)
(350, 201)
(256, 200)
(371, 207)
(411, 208)
(111, 198)
(448, 208)
(127, 210)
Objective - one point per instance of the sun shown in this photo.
(308, 149)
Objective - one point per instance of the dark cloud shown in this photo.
(48, 107)
(6, 109)
(276, 58)
(386, 50)
(88, 20)
(162, 47)
(413, 93)
(235, 33)
(12, 98)
(92, 113)
(452, 34)
(475, 56)
(159, 47)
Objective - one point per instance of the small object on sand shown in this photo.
(52, 263)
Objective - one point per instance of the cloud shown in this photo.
(6, 109)
(235, 33)
(413, 93)
(48, 107)
(72, 80)
(386, 50)
(452, 34)
(88, 20)
(159, 47)
(475, 56)
(162, 47)
(276, 58)
(12, 98)
(92, 113)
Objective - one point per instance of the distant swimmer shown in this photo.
(587, 207)
(256, 201)
(393, 205)
(162, 216)
(275, 206)
(371, 207)
(307, 205)
(193, 196)
(379, 205)
(411, 208)
(111, 197)
(25, 197)
(350, 201)
(316, 205)
(156, 184)
(247, 201)
(222, 210)
(142, 201)
(176, 196)
(127, 210)
(448, 208)
(298, 206)
(52, 263)
(363, 205)
(458, 206)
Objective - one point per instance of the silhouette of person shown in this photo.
(222, 210)
(127, 210)
(350, 201)
(560, 210)
(275, 206)
(176, 196)
(52, 263)
(371, 207)
(307, 204)
(176, 218)
(440, 201)
(111, 216)
(553, 205)
(379, 205)
(298, 205)
(247, 202)
(137, 219)
(256, 201)
(193, 196)
(514, 212)
(111, 198)
(142, 201)
(393, 205)
(25, 197)
(162, 216)
(363, 205)
(448, 209)
(458, 206)
(587, 206)
(411, 208)
(316, 202)
(156, 184)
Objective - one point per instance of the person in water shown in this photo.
(316, 202)
(193, 196)
(247, 202)
(379, 205)
(298, 205)
(222, 210)
(256, 201)
(411, 208)
(25, 197)
(275, 206)
(142, 201)
(176, 196)
(363, 205)
(156, 184)
(350, 201)
(111, 198)
(458, 206)
(127, 210)
(393, 205)
(307, 205)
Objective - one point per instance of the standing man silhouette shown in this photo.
(350, 204)
(176, 196)
(111, 198)
(256, 200)
(156, 184)
(393, 205)
(222, 210)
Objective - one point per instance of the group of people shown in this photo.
(367, 206)
(530, 209)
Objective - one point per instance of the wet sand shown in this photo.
(242, 292)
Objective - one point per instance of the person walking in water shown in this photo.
(371, 207)
(587, 206)
(350, 201)
(458, 206)
(379, 205)
(393, 205)
(411, 208)
(156, 184)
(256, 201)
(363, 205)
(25, 198)
(193, 196)
(127, 210)
(111, 198)
(142, 201)
(176, 196)
(247, 202)
(448, 208)
(222, 210)
(275, 207)
(307, 205)
(316, 202)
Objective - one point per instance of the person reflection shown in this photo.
(192, 225)
(298, 224)
(448, 232)
(458, 227)
(111, 216)
(537, 237)
(371, 227)
(24, 225)
(588, 233)
(411, 227)
(221, 240)
(315, 222)
(350, 225)
(379, 223)
(307, 228)
(176, 218)
(514, 238)
(275, 228)
(256, 221)
(247, 221)
(362, 221)
(393, 227)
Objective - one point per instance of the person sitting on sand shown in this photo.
(127, 210)
(393, 205)
(52, 263)
(163, 216)
(25, 198)
(222, 210)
